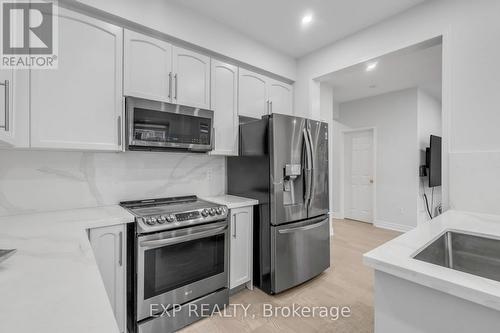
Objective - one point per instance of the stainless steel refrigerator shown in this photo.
(283, 163)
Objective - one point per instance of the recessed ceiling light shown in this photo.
(371, 66)
(307, 19)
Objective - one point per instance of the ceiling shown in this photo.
(418, 66)
(277, 23)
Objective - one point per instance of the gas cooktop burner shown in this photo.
(170, 213)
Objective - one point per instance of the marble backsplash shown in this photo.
(32, 181)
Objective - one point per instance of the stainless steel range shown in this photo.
(178, 269)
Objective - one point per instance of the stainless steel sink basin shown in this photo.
(4, 254)
(467, 253)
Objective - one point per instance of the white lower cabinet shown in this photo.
(241, 248)
(109, 245)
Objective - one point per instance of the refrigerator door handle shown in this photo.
(311, 191)
(304, 228)
(307, 169)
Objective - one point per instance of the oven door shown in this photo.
(178, 266)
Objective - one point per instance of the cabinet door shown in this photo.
(240, 270)
(147, 67)
(253, 97)
(280, 97)
(109, 248)
(79, 105)
(191, 78)
(14, 108)
(224, 102)
(6, 109)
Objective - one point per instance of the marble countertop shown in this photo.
(395, 258)
(52, 284)
(232, 201)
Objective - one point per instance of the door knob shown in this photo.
(371, 181)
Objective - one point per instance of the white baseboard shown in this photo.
(337, 216)
(392, 226)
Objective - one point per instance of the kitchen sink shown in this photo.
(472, 254)
(5, 254)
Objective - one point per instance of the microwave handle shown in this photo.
(176, 86)
(119, 131)
(174, 240)
(169, 85)
(212, 141)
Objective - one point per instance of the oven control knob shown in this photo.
(219, 210)
(212, 211)
(162, 219)
(204, 212)
(170, 218)
(150, 221)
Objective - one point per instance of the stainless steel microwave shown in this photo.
(158, 126)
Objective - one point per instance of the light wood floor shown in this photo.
(347, 283)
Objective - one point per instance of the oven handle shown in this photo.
(174, 240)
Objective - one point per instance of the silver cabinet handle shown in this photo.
(270, 107)
(6, 85)
(267, 106)
(170, 85)
(234, 225)
(176, 85)
(119, 130)
(120, 244)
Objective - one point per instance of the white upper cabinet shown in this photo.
(191, 78)
(147, 67)
(260, 95)
(6, 86)
(280, 98)
(253, 99)
(225, 105)
(14, 108)
(79, 105)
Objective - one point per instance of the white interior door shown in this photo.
(359, 180)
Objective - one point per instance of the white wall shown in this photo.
(429, 122)
(337, 147)
(326, 102)
(394, 115)
(471, 85)
(33, 181)
(184, 24)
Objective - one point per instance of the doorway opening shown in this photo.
(394, 104)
